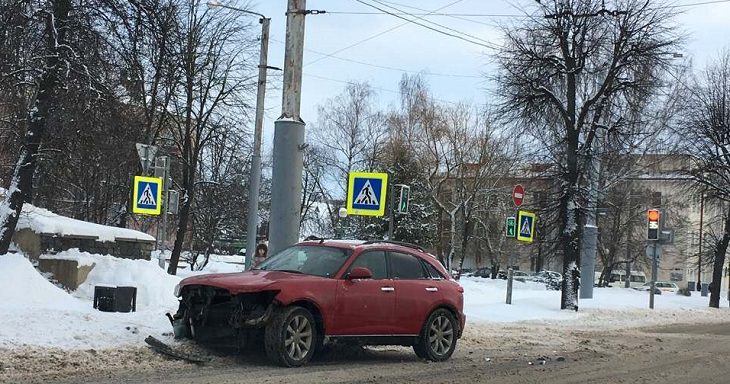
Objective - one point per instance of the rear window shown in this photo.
(434, 273)
(406, 267)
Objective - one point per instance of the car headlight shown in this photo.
(176, 291)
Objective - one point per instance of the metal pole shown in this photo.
(255, 177)
(165, 210)
(653, 274)
(391, 220)
(509, 286)
(699, 255)
(286, 178)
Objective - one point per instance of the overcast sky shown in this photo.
(414, 48)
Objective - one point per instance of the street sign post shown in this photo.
(147, 199)
(511, 227)
(367, 193)
(518, 195)
(526, 226)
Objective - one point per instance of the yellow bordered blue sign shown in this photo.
(367, 193)
(526, 226)
(147, 198)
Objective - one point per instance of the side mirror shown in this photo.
(359, 273)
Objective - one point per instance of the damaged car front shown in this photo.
(232, 310)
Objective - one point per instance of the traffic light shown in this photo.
(405, 194)
(653, 216)
(511, 227)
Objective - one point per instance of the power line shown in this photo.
(425, 73)
(426, 14)
(376, 35)
(486, 44)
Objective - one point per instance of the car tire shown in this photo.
(438, 337)
(291, 337)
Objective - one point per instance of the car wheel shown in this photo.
(438, 336)
(291, 337)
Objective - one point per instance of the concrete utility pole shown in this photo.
(286, 183)
(255, 179)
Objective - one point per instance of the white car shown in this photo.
(661, 286)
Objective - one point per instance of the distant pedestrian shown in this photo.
(260, 255)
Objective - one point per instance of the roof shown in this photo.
(43, 221)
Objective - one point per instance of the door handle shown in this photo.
(387, 289)
(432, 289)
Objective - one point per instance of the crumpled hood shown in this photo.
(249, 281)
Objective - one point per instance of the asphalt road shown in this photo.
(675, 354)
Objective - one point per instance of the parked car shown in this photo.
(482, 272)
(551, 279)
(660, 286)
(617, 279)
(374, 292)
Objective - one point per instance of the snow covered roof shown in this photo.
(40, 220)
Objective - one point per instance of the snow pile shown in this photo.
(484, 302)
(34, 312)
(154, 286)
(40, 220)
(21, 286)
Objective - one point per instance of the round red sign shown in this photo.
(518, 194)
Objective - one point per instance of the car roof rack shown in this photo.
(401, 243)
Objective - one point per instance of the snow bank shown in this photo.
(154, 286)
(21, 286)
(34, 312)
(40, 220)
(484, 302)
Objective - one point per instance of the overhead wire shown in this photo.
(410, 71)
(375, 35)
(456, 34)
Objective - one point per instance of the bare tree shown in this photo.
(707, 136)
(213, 69)
(53, 32)
(560, 71)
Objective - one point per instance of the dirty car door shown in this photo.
(365, 306)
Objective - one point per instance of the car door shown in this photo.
(365, 307)
(415, 292)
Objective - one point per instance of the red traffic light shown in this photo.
(653, 214)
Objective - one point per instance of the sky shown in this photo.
(456, 70)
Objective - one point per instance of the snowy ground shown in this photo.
(36, 313)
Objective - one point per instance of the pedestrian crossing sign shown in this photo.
(526, 226)
(366, 193)
(147, 195)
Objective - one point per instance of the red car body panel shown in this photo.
(353, 307)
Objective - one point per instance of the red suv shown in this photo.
(374, 292)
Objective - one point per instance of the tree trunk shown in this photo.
(21, 185)
(719, 263)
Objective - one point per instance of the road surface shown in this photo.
(500, 354)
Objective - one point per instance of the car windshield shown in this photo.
(307, 259)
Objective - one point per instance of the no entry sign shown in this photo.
(518, 194)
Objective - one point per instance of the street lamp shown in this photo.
(255, 176)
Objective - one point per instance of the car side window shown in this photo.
(406, 267)
(374, 261)
(435, 275)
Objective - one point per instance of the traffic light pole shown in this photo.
(391, 212)
(653, 272)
